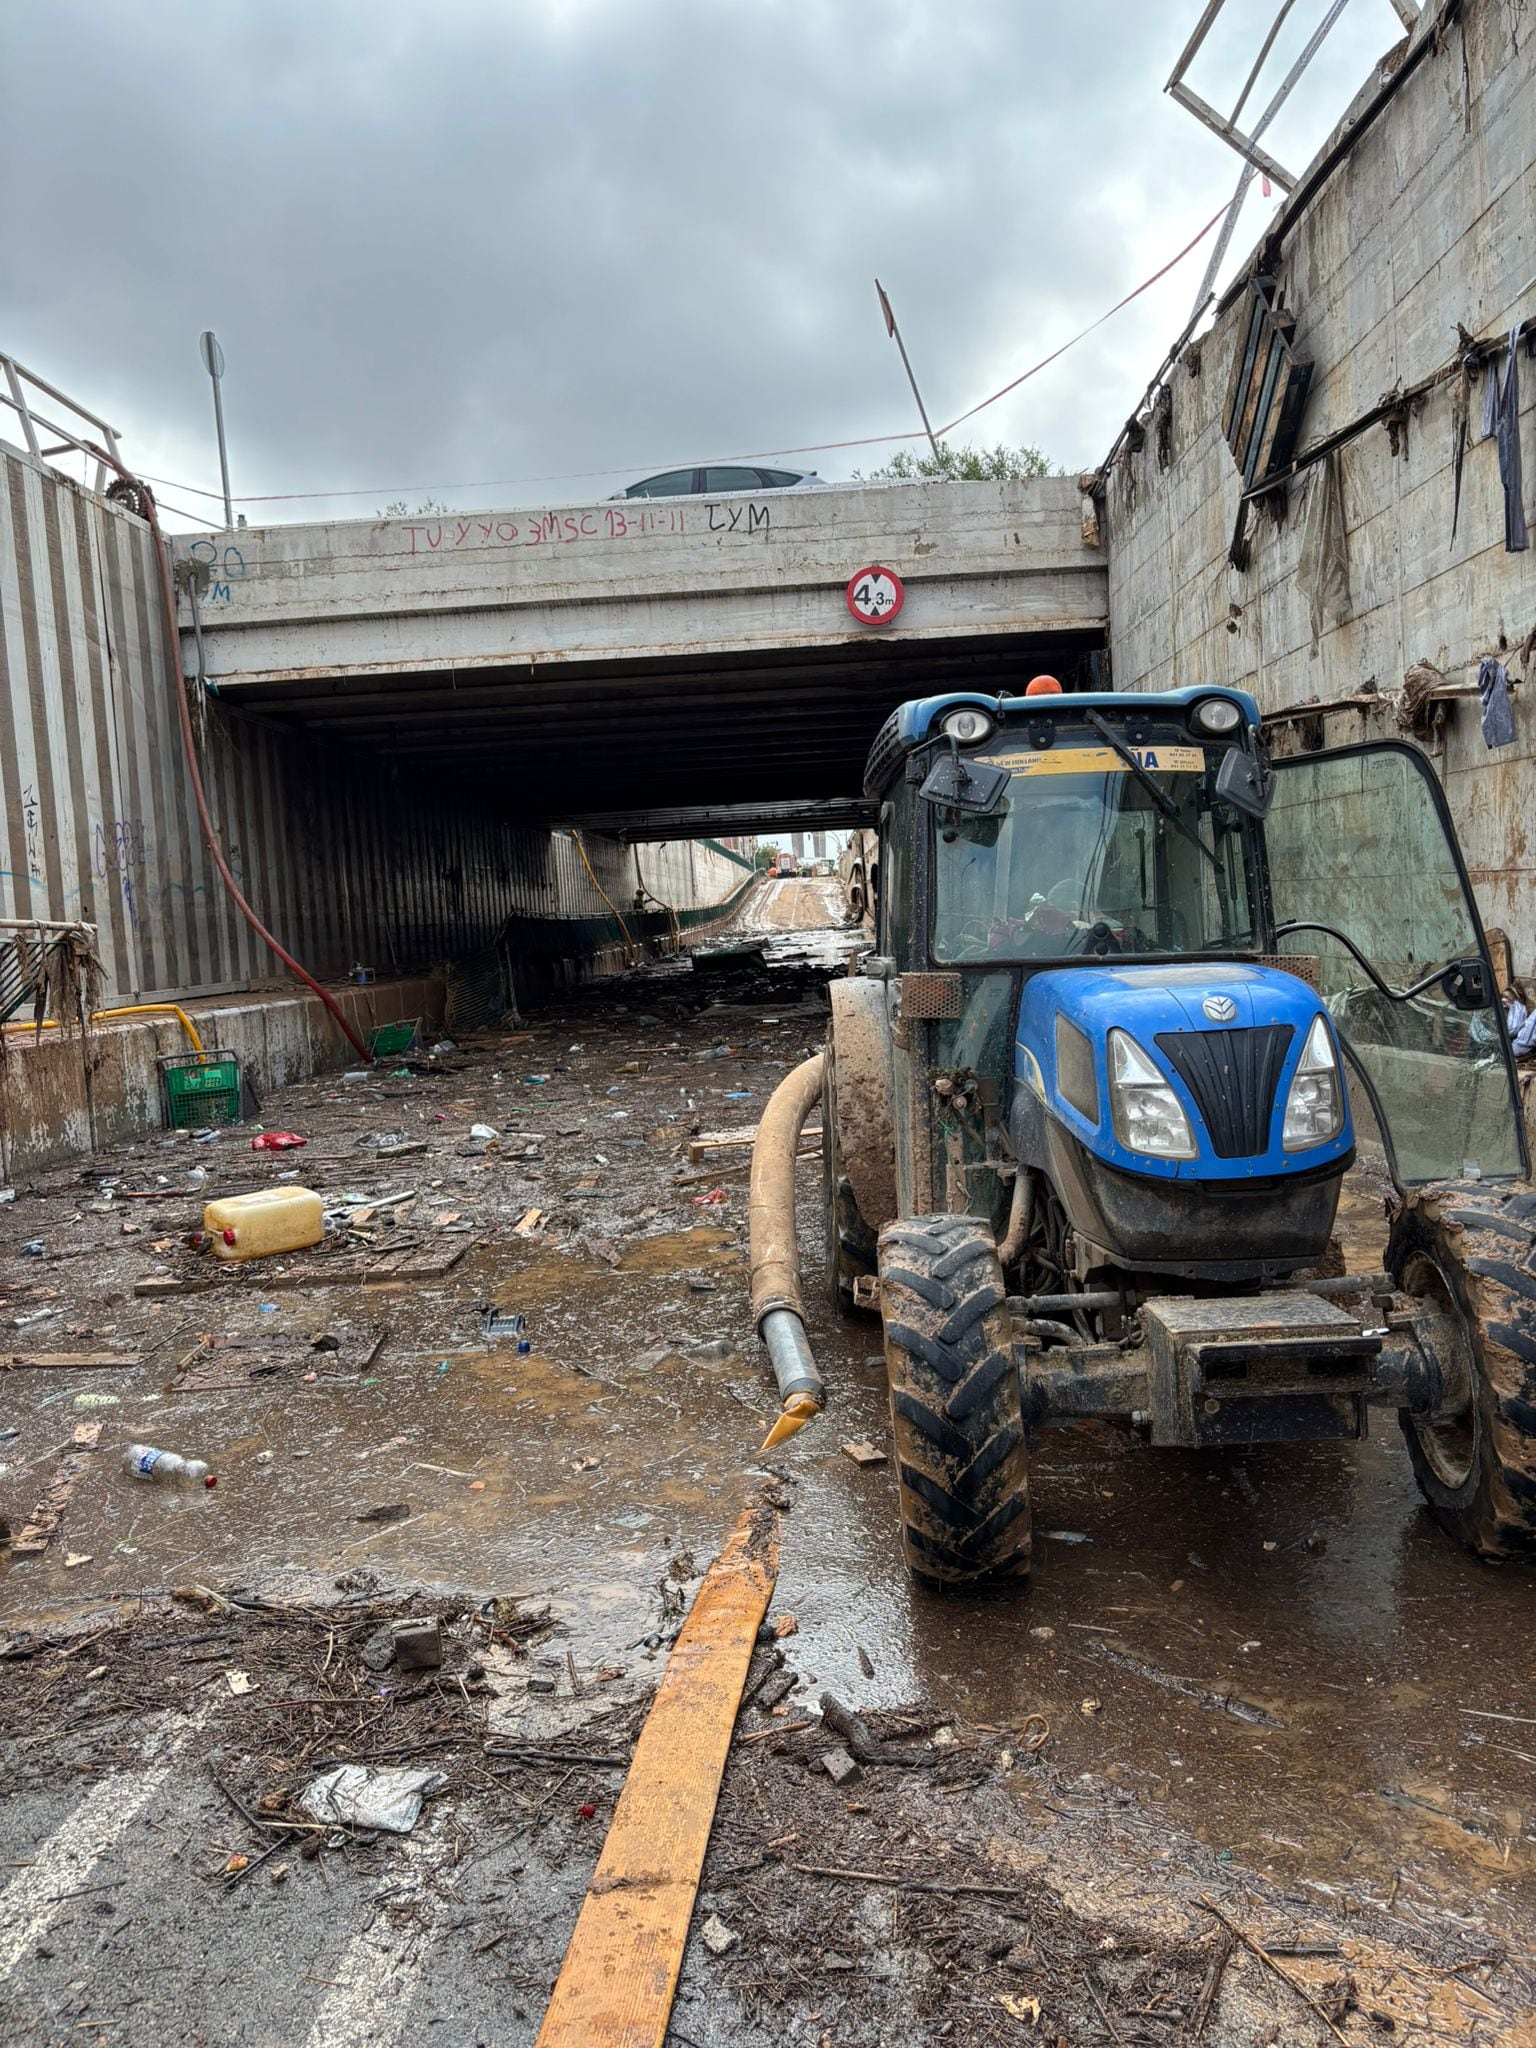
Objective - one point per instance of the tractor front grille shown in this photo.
(1232, 1075)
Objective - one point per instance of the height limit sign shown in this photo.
(875, 595)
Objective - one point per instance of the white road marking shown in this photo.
(31, 1901)
(370, 2001)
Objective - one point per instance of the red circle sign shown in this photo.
(875, 595)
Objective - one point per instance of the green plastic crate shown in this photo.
(200, 1088)
(391, 1038)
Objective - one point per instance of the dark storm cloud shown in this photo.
(457, 242)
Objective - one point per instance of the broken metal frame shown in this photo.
(25, 943)
(1247, 145)
(17, 378)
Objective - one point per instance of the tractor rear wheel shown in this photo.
(1470, 1253)
(962, 1465)
(851, 1250)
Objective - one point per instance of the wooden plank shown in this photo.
(619, 1976)
(332, 1269)
(722, 1141)
(431, 1261)
(33, 1539)
(66, 1361)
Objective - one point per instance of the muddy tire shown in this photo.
(962, 1466)
(1471, 1252)
(851, 1249)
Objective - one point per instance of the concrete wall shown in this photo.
(61, 1095)
(349, 859)
(639, 580)
(1427, 222)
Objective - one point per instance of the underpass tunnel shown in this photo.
(663, 749)
(506, 753)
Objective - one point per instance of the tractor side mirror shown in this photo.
(1246, 780)
(957, 784)
(1467, 984)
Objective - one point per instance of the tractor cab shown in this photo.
(1155, 959)
(1139, 998)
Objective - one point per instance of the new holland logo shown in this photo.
(1220, 1009)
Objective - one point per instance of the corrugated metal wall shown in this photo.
(347, 860)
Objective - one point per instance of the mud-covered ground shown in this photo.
(1259, 1693)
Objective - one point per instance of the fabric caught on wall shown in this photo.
(1501, 420)
(1322, 569)
(1493, 689)
(1522, 1028)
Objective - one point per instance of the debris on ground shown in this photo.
(717, 1937)
(1060, 1871)
(354, 1797)
(417, 1644)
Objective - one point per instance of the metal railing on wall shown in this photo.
(19, 383)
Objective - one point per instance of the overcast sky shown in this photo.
(478, 247)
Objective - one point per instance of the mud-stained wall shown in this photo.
(1426, 223)
(351, 862)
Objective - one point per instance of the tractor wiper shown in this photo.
(1158, 794)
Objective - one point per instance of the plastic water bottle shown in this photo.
(166, 1468)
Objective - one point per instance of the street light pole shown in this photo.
(895, 332)
(213, 363)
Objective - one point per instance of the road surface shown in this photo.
(1263, 1679)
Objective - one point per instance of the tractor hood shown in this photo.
(1225, 1037)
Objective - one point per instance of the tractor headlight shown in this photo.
(968, 726)
(1147, 1114)
(1217, 714)
(1314, 1109)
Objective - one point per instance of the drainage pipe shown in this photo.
(777, 1307)
(129, 1010)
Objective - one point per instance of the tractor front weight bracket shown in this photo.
(1269, 1368)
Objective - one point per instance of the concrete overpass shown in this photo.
(645, 665)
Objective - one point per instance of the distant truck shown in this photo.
(784, 864)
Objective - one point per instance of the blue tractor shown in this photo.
(1139, 997)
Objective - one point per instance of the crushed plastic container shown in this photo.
(264, 1224)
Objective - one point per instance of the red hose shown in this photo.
(189, 745)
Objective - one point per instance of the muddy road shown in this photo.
(1263, 1681)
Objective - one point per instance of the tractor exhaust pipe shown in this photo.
(777, 1307)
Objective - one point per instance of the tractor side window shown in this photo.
(1358, 841)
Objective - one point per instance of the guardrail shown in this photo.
(18, 379)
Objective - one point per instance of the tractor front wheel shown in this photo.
(962, 1465)
(1469, 1253)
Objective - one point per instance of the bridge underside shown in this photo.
(669, 748)
(646, 668)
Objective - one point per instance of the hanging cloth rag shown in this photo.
(1493, 688)
(1522, 1027)
(1461, 402)
(1501, 419)
(1322, 567)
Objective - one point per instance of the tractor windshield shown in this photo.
(1086, 857)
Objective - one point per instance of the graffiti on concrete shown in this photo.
(225, 566)
(120, 855)
(632, 520)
